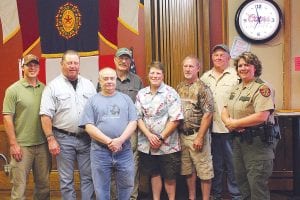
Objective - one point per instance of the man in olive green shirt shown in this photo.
(28, 146)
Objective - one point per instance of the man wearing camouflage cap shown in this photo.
(27, 142)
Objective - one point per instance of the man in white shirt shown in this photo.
(61, 107)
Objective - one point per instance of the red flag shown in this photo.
(29, 23)
(106, 61)
(42, 74)
(108, 22)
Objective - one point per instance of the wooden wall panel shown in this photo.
(174, 30)
(4, 146)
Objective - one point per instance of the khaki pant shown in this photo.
(192, 160)
(37, 159)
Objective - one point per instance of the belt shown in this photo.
(191, 131)
(78, 135)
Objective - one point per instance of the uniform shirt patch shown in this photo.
(265, 91)
(244, 98)
(232, 94)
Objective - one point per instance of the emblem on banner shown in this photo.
(68, 20)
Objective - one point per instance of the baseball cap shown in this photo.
(123, 51)
(221, 46)
(30, 58)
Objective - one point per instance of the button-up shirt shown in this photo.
(220, 88)
(155, 110)
(130, 86)
(197, 100)
(63, 104)
(256, 96)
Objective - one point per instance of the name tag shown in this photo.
(243, 98)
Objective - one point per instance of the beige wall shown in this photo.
(295, 52)
(271, 54)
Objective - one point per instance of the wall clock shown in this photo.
(258, 21)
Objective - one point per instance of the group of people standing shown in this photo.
(221, 122)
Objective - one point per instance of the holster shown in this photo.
(272, 131)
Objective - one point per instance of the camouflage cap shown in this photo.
(123, 51)
(30, 58)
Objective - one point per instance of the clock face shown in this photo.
(258, 20)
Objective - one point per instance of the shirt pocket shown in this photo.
(87, 95)
(63, 102)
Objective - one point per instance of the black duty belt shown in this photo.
(249, 133)
(67, 132)
(190, 131)
(253, 131)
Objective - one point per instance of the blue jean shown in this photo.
(72, 149)
(222, 159)
(103, 161)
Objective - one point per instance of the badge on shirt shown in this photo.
(244, 98)
(232, 94)
(265, 91)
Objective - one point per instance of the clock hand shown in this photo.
(258, 17)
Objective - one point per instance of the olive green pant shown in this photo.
(253, 165)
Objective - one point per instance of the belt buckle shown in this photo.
(191, 132)
(70, 134)
(74, 134)
(188, 132)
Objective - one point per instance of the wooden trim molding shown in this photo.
(225, 21)
(205, 28)
(287, 55)
(54, 181)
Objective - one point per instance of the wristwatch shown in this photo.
(160, 138)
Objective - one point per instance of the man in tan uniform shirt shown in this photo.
(221, 79)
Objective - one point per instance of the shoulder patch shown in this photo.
(265, 91)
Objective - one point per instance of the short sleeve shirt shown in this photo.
(110, 114)
(221, 88)
(130, 86)
(155, 110)
(23, 102)
(255, 97)
(64, 104)
(196, 99)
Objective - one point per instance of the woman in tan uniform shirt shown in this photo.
(249, 115)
